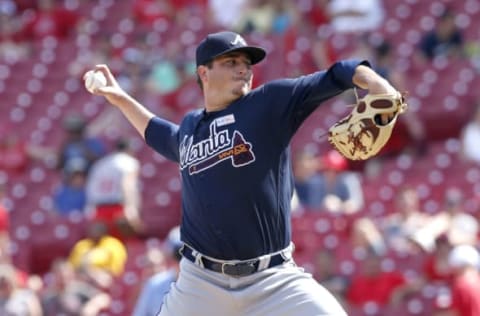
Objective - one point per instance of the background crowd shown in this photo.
(89, 214)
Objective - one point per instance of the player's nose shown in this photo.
(243, 68)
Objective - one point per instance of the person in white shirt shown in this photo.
(112, 190)
(352, 16)
(469, 138)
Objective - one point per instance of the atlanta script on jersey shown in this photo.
(219, 146)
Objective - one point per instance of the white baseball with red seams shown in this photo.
(94, 80)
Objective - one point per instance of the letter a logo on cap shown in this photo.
(238, 40)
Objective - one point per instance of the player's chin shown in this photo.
(242, 89)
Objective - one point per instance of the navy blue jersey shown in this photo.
(237, 179)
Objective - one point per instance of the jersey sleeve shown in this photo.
(162, 136)
(295, 99)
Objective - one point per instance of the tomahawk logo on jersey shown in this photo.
(219, 146)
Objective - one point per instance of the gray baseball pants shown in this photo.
(284, 290)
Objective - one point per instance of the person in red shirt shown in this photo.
(436, 267)
(149, 12)
(50, 20)
(374, 285)
(464, 261)
(16, 154)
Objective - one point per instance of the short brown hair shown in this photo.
(199, 81)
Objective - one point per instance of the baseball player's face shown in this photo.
(231, 75)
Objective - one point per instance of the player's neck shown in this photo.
(217, 102)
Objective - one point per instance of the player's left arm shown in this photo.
(296, 98)
(366, 78)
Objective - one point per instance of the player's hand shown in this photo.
(112, 91)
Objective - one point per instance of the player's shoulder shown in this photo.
(192, 115)
(274, 87)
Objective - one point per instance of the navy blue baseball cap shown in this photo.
(221, 43)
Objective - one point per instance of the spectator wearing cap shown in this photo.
(77, 144)
(325, 183)
(151, 296)
(70, 195)
(464, 260)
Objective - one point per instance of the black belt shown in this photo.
(236, 269)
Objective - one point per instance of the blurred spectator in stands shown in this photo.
(50, 19)
(351, 16)
(256, 17)
(70, 195)
(225, 16)
(113, 191)
(268, 17)
(151, 297)
(436, 268)
(399, 230)
(166, 74)
(316, 13)
(314, 17)
(99, 252)
(375, 285)
(464, 260)
(459, 226)
(285, 16)
(67, 293)
(12, 48)
(14, 299)
(445, 39)
(77, 144)
(325, 272)
(153, 13)
(469, 138)
(323, 53)
(16, 154)
(324, 184)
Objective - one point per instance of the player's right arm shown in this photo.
(158, 133)
(136, 113)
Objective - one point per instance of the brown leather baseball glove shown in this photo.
(364, 132)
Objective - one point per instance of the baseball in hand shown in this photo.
(94, 80)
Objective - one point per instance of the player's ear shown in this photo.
(202, 72)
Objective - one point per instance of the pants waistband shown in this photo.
(237, 268)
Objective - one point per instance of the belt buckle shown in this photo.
(239, 269)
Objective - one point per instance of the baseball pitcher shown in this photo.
(237, 180)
